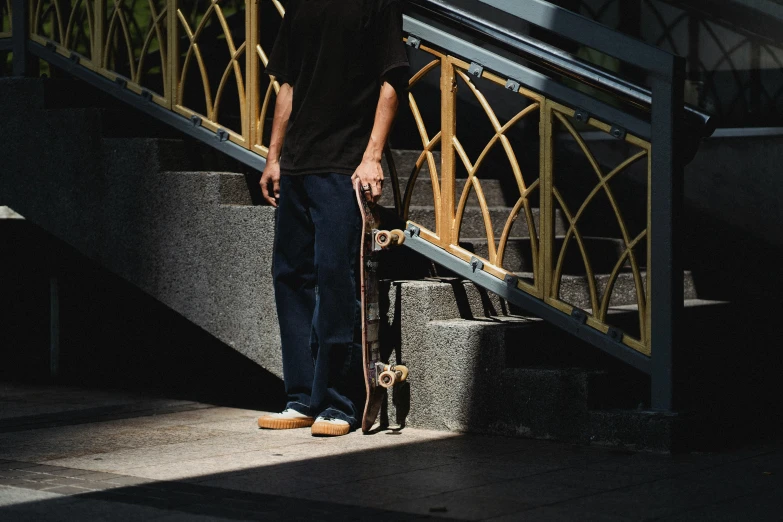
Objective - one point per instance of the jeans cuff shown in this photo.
(299, 407)
(337, 414)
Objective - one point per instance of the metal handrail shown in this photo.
(736, 95)
(558, 61)
(728, 13)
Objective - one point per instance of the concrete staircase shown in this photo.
(479, 368)
(184, 225)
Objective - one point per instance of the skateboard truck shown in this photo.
(390, 374)
(387, 238)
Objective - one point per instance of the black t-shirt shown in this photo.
(335, 54)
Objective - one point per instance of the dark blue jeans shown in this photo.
(315, 269)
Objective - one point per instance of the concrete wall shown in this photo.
(190, 239)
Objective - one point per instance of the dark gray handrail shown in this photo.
(700, 124)
(741, 18)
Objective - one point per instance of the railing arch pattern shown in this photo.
(5, 19)
(540, 190)
(714, 47)
(430, 142)
(6, 35)
(71, 24)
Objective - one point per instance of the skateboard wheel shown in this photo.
(383, 238)
(387, 379)
(398, 236)
(402, 373)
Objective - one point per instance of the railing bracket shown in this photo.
(222, 134)
(74, 58)
(195, 120)
(615, 334)
(414, 41)
(511, 280)
(581, 115)
(413, 231)
(147, 95)
(512, 85)
(618, 132)
(122, 82)
(476, 263)
(476, 69)
(579, 315)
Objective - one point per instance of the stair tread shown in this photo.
(500, 320)
(494, 208)
(527, 238)
(555, 370)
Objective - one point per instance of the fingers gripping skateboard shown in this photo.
(392, 374)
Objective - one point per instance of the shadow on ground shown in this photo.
(188, 461)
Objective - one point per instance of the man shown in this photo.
(340, 64)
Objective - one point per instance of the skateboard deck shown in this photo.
(379, 375)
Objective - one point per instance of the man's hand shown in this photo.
(271, 175)
(369, 176)
(270, 182)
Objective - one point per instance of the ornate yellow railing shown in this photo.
(191, 57)
(545, 188)
(5, 19)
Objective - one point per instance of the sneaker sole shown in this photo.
(327, 429)
(285, 424)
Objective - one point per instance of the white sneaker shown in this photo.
(285, 420)
(330, 427)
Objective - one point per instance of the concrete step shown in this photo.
(473, 221)
(553, 405)
(126, 122)
(457, 363)
(161, 154)
(174, 154)
(518, 257)
(60, 93)
(235, 189)
(479, 368)
(542, 403)
(575, 289)
(422, 192)
(640, 430)
(405, 162)
(460, 382)
(21, 95)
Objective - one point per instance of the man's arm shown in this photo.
(369, 171)
(271, 173)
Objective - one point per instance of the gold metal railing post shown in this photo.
(172, 70)
(252, 93)
(546, 218)
(99, 34)
(444, 215)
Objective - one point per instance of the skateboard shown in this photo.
(379, 375)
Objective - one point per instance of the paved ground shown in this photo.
(76, 454)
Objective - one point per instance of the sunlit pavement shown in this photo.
(76, 454)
